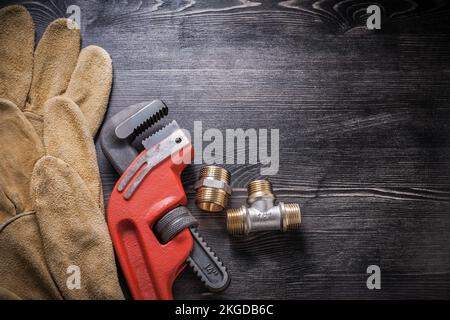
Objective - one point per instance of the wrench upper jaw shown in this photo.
(119, 152)
(119, 131)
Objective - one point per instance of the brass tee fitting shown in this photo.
(213, 189)
(262, 213)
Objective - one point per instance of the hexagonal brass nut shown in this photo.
(213, 183)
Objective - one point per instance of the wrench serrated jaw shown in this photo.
(160, 135)
(142, 119)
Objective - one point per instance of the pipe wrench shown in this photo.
(153, 233)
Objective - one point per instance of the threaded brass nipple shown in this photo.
(213, 189)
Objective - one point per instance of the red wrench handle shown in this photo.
(149, 267)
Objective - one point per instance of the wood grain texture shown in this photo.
(364, 130)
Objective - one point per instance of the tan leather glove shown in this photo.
(52, 102)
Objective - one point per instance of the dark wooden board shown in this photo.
(364, 130)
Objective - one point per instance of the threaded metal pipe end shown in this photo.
(259, 186)
(213, 197)
(236, 221)
(215, 172)
(259, 189)
(291, 217)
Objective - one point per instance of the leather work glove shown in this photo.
(52, 102)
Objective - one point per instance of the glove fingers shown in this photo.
(16, 53)
(73, 231)
(20, 148)
(54, 61)
(90, 85)
(67, 137)
(22, 260)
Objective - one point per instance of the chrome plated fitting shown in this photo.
(213, 189)
(262, 214)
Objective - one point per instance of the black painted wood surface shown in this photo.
(364, 130)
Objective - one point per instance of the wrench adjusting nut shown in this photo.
(213, 189)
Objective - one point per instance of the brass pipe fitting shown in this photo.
(262, 214)
(213, 189)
